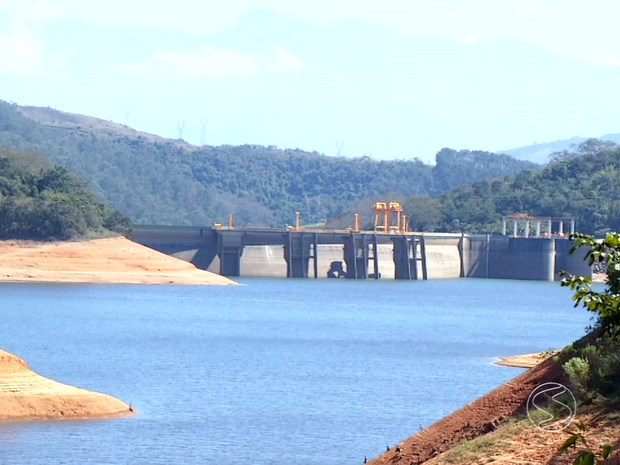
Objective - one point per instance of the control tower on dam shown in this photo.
(364, 255)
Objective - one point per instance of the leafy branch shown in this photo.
(607, 303)
(588, 457)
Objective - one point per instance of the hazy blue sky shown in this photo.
(394, 79)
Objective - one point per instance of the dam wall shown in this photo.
(443, 260)
(263, 260)
(520, 258)
(282, 253)
(269, 261)
(502, 257)
(573, 264)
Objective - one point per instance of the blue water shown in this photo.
(274, 371)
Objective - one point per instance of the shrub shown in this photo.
(578, 371)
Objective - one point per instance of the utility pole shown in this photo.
(339, 145)
(127, 112)
(203, 132)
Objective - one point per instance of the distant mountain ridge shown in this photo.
(539, 153)
(165, 181)
(71, 121)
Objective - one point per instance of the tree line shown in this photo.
(583, 183)
(161, 181)
(41, 201)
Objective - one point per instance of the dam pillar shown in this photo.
(297, 254)
(230, 248)
(408, 251)
(375, 257)
(356, 256)
(476, 255)
(401, 259)
(204, 256)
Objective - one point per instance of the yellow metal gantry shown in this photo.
(385, 214)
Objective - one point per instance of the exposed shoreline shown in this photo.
(525, 360)
(112, 261)
(27, 396)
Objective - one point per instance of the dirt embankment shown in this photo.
(25, 395)
(520, 442)
(480, 417)
(113, 260)
(487, 414)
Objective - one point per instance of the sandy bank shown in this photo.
(113, 260)
(25, 395)
(526, 360)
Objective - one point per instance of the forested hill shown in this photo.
(584, 184)
(154, 180)
(41, 201)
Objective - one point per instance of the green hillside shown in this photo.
(41, 201)
(154, 180)
(584, 184)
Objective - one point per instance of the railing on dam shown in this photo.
(302, 254)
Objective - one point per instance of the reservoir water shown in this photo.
(274, 371)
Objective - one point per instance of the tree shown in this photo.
(606, 304)
(589, 147)
(599, 361)
(37, 202)
(423, 214)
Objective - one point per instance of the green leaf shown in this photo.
(570, 442)
(607, 450)
(585, 458)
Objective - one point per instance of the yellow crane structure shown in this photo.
(388, 213)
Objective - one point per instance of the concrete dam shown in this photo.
(364, 255)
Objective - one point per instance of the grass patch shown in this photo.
(486, 445)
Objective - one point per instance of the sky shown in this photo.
(390, 79)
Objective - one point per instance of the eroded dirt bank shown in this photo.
(25, 395)
(479, 417)
(113, 260)
(486, 415)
